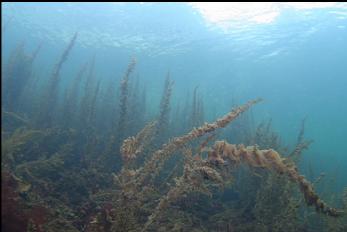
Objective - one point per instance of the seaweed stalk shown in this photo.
(194, 115)
(63, 58)
(154, 164)
(222, 159)
(51, 94)
(133, 146)
(71, 97)
(92, 111)
(15, 76)
(123, 104)
(224, 153)
(163, 119)
(301, 144)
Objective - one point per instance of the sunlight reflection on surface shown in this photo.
(227, 14)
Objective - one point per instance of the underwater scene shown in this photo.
(186, 117)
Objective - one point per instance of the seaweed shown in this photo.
(197, 114)
(71, 98)
(13, 218)
(90, 171)
(123, 103)
(131, 181)
(87, 97)
(301, 144)
(50, 95)
(269, 159)
(223, 158)
(15, 215)
(159, 157)
(200, 174)
(17, 73)
(136, 107)
(112, 161)
(163, 118)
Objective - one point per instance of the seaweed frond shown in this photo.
(71, 97)
(123, 104)
(63, 58)
(163, 119)
(199, 175)
(154, 164)
(301, 144)
(133, 146)
(224, 153)
(50, 96)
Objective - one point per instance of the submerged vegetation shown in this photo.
(75, 157)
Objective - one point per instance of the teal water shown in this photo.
(294, 56)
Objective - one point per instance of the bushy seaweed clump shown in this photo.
(72, 160)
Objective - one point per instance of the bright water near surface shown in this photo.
(292, 55)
